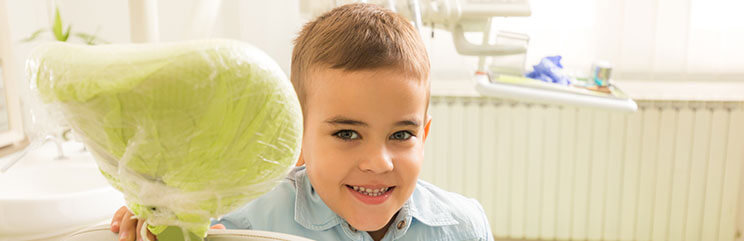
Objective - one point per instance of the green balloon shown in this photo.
(186, 131)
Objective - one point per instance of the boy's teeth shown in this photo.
(370, 192)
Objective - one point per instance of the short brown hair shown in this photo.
(358, 37)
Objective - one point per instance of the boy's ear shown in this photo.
(426, 127)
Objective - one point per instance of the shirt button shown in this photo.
(401, 224)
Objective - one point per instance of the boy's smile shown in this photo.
(363, 141)
(371, 195)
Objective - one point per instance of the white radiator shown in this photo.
(671, 171)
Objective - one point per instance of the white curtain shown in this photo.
(698, 40)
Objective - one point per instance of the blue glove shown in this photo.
(550, 70)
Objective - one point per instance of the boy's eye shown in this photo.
(401, 135)
(347, 135)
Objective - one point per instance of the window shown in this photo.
(644, 39)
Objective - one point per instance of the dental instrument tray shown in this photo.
(532, 90)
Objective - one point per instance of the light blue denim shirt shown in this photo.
(293, 207)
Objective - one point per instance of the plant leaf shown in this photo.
(90, 39)
(67, 34)
(57, 25)
(34, 35)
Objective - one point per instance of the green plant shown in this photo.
(61, 34)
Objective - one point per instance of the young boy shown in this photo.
(361, 74)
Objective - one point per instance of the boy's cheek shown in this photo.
(331, 161)
(413, 155)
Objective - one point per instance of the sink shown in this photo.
(44, 196)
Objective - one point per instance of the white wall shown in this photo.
(645, 39)
(267, 24)
(270, 25)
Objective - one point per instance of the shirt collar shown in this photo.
(312, 213)
(429, 209)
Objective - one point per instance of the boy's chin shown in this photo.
(368, 224)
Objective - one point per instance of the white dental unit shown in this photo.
(463, 16)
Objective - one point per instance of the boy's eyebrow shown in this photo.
(345, 121)
(409, 122)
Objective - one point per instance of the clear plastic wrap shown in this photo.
(186, 131)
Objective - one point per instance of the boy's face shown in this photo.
(364, 129)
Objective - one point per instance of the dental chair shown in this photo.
(187, 131)
(103, 233)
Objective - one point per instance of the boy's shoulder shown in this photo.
(287, 209)
(448, 214)
(274, 209)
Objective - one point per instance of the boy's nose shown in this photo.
(376, 160)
